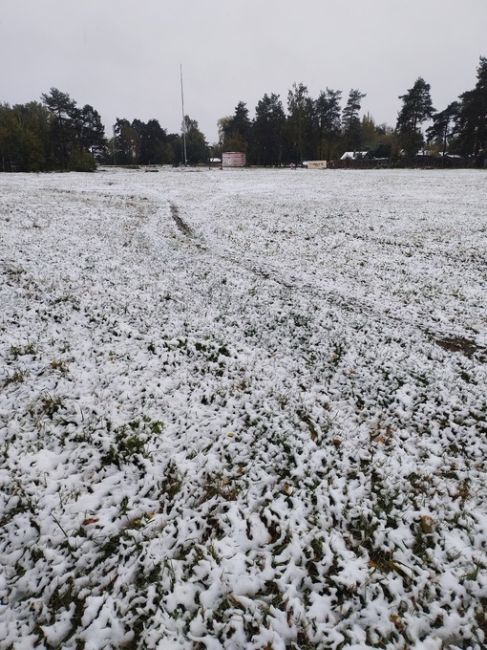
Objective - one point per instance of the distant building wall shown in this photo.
(233, 159)
(315, 164)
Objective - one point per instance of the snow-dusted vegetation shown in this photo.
(243, 410)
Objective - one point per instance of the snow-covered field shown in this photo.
(243, 409)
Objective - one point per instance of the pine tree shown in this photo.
(327, 111)
(442, 129)
(299, 120)
(471, 126)
(126, 143)
(152, 148)
(75, 133)
(268, 130)
(416, 109)
(351, 121)
(63, 110)
(237, 129)
(90, 130)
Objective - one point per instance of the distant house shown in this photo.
(355, 155)
(233, 159)
(421, 153)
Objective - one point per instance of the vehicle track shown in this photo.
(337, 299)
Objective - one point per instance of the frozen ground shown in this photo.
(243, 410)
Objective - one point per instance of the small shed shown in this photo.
(233, 159)
(315, 164)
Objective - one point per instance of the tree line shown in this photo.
(319, 129)
(56, 134)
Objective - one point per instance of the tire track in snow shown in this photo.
(348, 303)
(182, 226)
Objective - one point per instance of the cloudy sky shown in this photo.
(123, 56)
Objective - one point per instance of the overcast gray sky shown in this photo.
(123, 56)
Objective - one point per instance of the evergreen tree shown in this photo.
(90, 130)
(471, 126)
(152, 146)
(7, 140)
(442, 129)
(174, 148)
(126, 143)
(268, 129)
(237, 129)
(155, 147)
(416, 109)
(63, 110)
(327, 111)
(241, 123)
(75, 133)
(299, 118)
(351, 121)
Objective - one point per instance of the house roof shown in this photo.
(354, 155)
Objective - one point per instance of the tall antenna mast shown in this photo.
(184, 122)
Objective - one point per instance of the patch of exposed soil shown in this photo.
(461, 344)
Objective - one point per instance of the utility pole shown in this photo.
(184, 122)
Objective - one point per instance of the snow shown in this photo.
(354, 155)
(243, 409)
